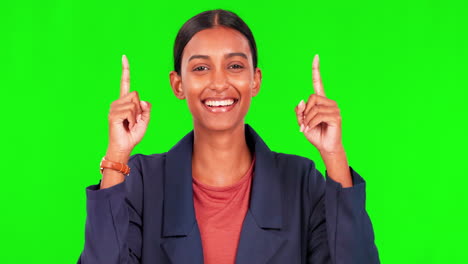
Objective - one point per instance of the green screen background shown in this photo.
(397, 70)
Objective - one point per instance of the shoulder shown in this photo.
(147, 168)
(294, 163)
(301, 170)
(143, 162)
(146, 173)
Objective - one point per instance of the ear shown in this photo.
(176, 84)
(257, 81)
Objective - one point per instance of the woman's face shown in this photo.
(217, 78)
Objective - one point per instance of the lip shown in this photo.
(219, 109)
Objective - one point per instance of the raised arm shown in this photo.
(128, 121)
(114, 206)
(341, 208)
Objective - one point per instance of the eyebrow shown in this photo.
(241, 54)
(229, 55)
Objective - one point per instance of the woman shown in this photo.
(220, 195)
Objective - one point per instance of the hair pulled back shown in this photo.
(211, 19)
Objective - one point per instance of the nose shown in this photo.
(219, 81)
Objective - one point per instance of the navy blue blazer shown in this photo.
(294, 215)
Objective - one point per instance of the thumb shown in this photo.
(300, 114)
(145, 108)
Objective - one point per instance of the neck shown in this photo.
(220, 158)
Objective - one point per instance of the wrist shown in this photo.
(338, 153)
(115, 156)
(337, 167)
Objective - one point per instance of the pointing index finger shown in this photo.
(316, 79)
(125, 80)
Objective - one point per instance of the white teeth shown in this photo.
(219, 103)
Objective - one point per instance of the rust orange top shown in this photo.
(220, 212)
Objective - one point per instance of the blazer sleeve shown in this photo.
(114, 220)
(339, 229)
(349, 229)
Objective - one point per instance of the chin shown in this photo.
(220, 124)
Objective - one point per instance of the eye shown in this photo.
(200, 68)
(236, 66)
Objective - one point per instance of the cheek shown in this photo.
(193, 87)
(244, 84)
(192, 98)
(244, 87)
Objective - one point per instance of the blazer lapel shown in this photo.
(261, 230)
(256, 244)
(261, 236)
(182, 241)
(185, 249)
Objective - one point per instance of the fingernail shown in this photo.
(307, 129)
(302, 128)
(302, 103)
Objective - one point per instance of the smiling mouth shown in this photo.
(220, 105)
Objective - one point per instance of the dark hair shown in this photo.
(206, 20)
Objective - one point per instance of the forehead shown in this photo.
(217, 42)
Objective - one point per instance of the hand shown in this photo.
(319, 119)
(128, 118)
